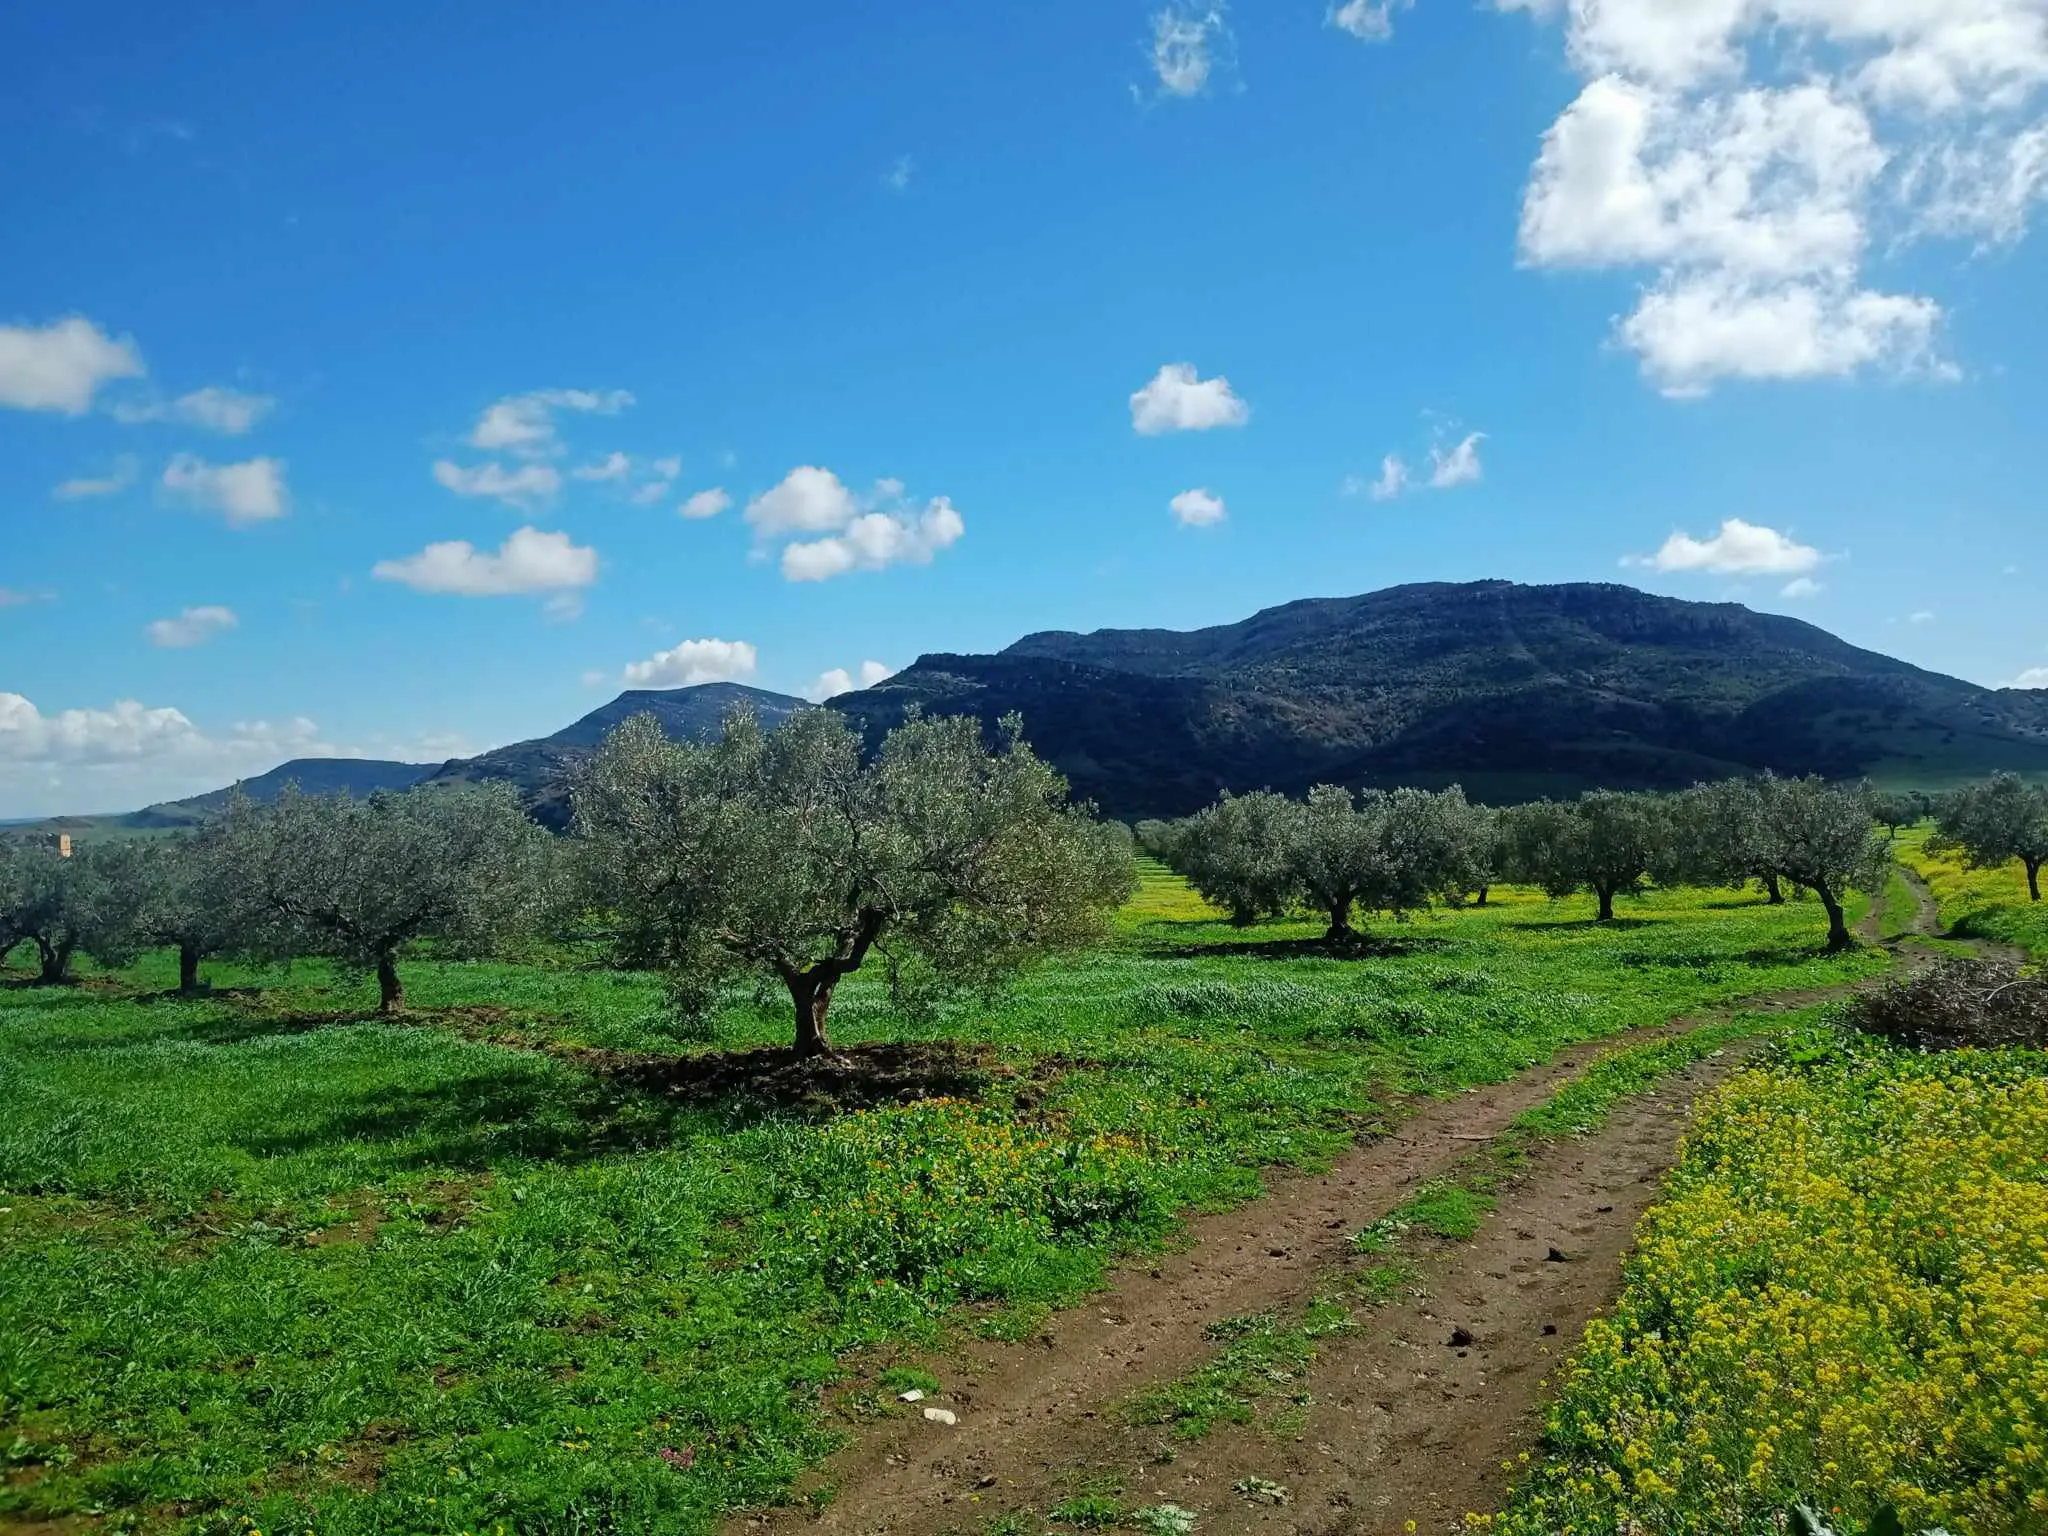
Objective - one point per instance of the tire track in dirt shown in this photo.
(1422, 1413)
(1028, 1413)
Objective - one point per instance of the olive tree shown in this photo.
(194, 895)
(792, 856)
(84, 903)
(1717, 835)
(1235, 853)
(1824, 837)
(1903, 808)
(363, 881)
(1993, 823)
(1607, 842)
(1392, 852)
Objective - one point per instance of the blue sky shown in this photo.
(356, 363)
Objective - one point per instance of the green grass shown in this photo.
(1979, 903)
(264, 1258)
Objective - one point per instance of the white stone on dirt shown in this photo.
(942, 1415)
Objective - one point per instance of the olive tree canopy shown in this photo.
(363, 880)
(86, 903)
(1393, 852)
(1993, 823)
(193, 897)
(789, 855)
(1235, 853)
(1607, 842)
(1824, 837)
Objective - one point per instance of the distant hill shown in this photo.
(1514, 691)
(314, 775)
(541, 768)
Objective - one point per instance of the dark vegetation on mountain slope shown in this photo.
(357, 776)
(1515, 692)
(541, 769)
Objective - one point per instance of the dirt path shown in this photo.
(1414, 1415)
(1029, 1414)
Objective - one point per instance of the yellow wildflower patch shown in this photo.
(1843, 1299)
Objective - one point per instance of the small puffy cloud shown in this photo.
(1924, 616)
(693, 662)
(194, 626)
(519, 486)
(1801, 587)
(1393, 479)
(1197, 509)
(1692, 332)
(14, 597)
(874, 541)
(864, 534)
(61, 366)
(838, 680)
(1751, 153)
(250, 492)
(1370, 21)
(706, 503)
(528, 561)
(112, 483)
(229, 412)
(525, 424)
(807, 500)
(1739, 549)
(2033, 677)
(1457, 466)
(1177, 400)
(897, 177)
(613, 466)
(1189, 43)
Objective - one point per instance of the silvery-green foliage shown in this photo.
(791, 854)
(1235, 854)
(1993, 823)
(360, 881)
(86, 903)
(1824, 837)
(1607, 842)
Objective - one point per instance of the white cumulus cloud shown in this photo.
(1198, 508)
(253, 491)
(1179, 400)
(61, 366)
(194, 626)
(1738, 549)
(520, 486)
(706, 503)
(1458, 465)
(613, 466)
(115, 481)
(875, 540)
(528, 561)
(230, 412)
(525, 424)
(2033, 677)
(863, 534)
(806, 500)
(1370, 21)
(837, 680)
(1750, 153)
(1801, 587)
(1189, 44)
(693, 662)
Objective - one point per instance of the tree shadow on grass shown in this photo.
(1364, 946)
(1588, 924)
(771, 1079)
(615, 1102)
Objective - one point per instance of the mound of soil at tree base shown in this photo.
(855, 1077)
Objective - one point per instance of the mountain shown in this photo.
(314, 775)
(1513, 691)
(541, 768)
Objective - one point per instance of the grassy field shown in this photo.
(1842, 1301)
(512, 1264)
(1979, 903)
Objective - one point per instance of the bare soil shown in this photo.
(1419, 1416)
